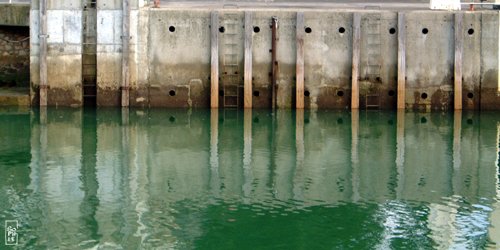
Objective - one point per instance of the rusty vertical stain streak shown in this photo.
(125, 52)
(274, 59)
(401, 61)
(247, 91)
(458, 60)
(299, 86)
(214, 73)
(43, 53)
(355, 154)
(356, 46)
(400, 150)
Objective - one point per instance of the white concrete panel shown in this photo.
(55, 26)
(73, 26)
(134, 22)
(109, 26)
(34, 26)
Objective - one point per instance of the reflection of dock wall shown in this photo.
(170, 56)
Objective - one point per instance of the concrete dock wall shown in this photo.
(170, 57)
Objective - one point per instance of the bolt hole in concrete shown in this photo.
(470, 31)
(308, 30)
(391, 93)
(256, 29)
(306, 93)
(171, 93)
(423, 95)
(340, 93)
(222, 29)
(392, 31)
(423, 120)
(425, 31)
(171, 119)
(341, 30)
(470, 95)
(171, 28)
(340, 121)
(221, 92)
(469, 121)
(256, 120)
(256, 93)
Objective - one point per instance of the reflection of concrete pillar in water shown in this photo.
(214, 151)
(299, 147)
(400, 150)
(354, 153)
(457, 134)
(494, 228)
(247, 152)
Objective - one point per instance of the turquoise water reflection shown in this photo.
(250, 179)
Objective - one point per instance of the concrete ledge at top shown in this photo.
(14, 14)
(445, 4)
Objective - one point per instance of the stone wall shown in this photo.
(14, 56)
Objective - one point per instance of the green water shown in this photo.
(201, 179)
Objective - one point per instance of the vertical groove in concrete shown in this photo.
(356, 47)
(125, 52)
(458, 60)
(401, 61)
(247, 92)
(214, 73)
(43, 53)
(299, 86)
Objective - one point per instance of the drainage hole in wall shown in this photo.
(306, 93)
(340, 93)
(256, 120)
(171, 119)
(221, 92)
(256, 93)
(341, 30)
(423, 95)
(392, 31)
(391, 93)
(171, 93)
(308, 30)
(222, 29)
(425, 31)
(423, 120)
(171, 28)
(256, 29)
(469, 121)
(340, 121)
(306, 121)
(470, 31)
(470, 95)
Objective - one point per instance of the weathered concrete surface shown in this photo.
(170, 57)
(14, 56)
(14, 97)
(14, 14)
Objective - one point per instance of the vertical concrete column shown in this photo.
(125, 53)
(247, 92)
(214, 73)
(299, 85)
(356, 47)
(43, 53)
(458, 60)
(401, 61)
